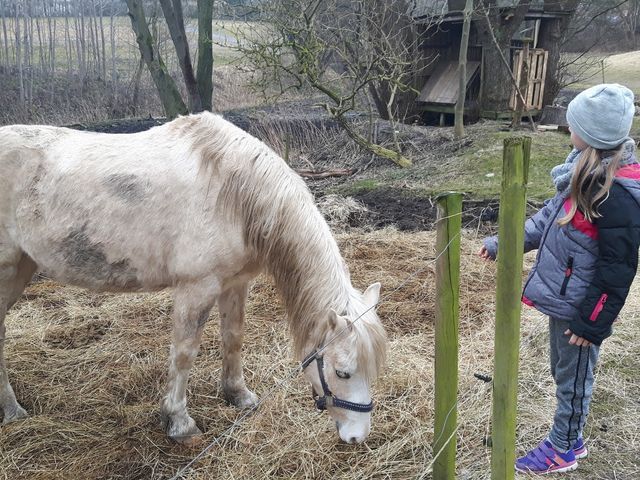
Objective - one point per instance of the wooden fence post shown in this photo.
(446, 334)
(508, 306)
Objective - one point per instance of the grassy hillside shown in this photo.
(622, 68)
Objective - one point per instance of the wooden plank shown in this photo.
(535, 80)
(442, 87)
(530, 87)
(543, 76)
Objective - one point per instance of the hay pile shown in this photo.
(90, 369)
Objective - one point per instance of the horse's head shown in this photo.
(342, 372)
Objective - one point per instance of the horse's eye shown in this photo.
(342, 374)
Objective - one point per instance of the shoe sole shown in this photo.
(568, 468)
(584, 454)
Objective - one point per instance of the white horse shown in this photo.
(199, 206)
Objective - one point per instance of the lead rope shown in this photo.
(298, 369)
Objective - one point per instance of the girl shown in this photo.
(587, 238)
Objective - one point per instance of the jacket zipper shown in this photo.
(542, 240)
(567, 276)
(599, 307)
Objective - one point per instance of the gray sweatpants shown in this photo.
(572, 369)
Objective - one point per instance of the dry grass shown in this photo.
(90, 368)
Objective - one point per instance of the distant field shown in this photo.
(623, 68)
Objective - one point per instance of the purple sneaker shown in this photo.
(546, 459)
(580, 449)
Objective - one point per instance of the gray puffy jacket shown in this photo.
(583, 270)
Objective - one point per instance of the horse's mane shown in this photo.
(285, 233)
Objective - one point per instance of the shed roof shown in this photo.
(440, 7)
(427, 11)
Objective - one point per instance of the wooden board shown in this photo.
(535, 85)
(442, 86)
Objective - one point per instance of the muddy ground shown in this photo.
(387, 207)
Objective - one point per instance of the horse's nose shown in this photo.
(352, 436)
(355, 439)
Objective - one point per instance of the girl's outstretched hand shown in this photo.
(484, 253)
(576, 340)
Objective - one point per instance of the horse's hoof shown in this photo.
(189, 440)
(183, 431)
(246, 399)
(18, 414)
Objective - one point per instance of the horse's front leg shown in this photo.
(8, 403)
(15, 272)
(231, 305)
(190, 313)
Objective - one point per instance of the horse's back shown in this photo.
(115, 212)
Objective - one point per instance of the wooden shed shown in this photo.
(439, 50)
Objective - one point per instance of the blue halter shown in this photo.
(328, 399)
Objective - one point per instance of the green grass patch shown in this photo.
(478, 170)
(484, 166)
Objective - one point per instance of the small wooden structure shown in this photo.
(535, 83)
(439, 53)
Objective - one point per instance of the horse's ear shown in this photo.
(333, 319)
(372, 294)
(336, 321)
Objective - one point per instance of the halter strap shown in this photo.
(328, 399)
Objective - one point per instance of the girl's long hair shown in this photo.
(591, 182)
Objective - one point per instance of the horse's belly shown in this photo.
(77, 261)
(103, 251)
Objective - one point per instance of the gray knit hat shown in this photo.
(602, 115)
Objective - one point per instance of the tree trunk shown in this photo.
(93, 57)
(496, 91)
(67, 43)
(462, 71)
(395, 157)
(112, 35)
(28, 52)
(551, 37)
(204, 74)
(136, 87)
(51, 29)
(80, 49)
(524, 81)
(175, 21)
(82, 45)
(103, 48)
(6, 40)
(41, 50)
(167, 89)
(19, 56)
